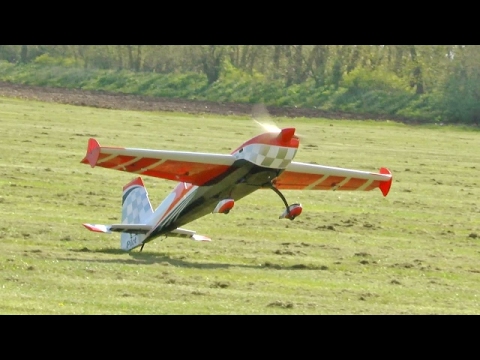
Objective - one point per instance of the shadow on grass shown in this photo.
(150, 258)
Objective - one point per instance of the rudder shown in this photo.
(136, 209)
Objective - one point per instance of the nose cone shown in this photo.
(286, 134)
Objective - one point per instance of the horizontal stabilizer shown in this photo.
(198, 237)
(180, 232)
(125, 228)
(98, 228)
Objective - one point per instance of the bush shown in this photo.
(47, 60)
(461, 97)
(364, 79)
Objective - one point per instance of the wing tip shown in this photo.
(93, 151)
(96, 228)
(385, 185)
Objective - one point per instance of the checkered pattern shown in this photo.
(271, 156)
(136, 207)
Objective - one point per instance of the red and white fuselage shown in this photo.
(269, 151)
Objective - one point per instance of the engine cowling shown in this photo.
(224, 206)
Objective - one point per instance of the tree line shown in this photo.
(448, 73)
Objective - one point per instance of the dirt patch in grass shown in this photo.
(111, 100)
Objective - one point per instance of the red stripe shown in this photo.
(329, 183)
(141, 164)
(113, 162)
(373, 185)
(195, 173)
(353, 184)
(295, 181)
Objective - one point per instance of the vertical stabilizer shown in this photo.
(136, 209)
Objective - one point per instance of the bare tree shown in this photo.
(119, 57)
(417, 76)
(24, 54)
(211, 57)
(138, 59)
(299, 73)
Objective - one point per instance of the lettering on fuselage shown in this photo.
(133, 240)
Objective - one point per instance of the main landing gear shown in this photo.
(291, 211)
(224, 206)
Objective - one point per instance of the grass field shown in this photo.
(414, 252)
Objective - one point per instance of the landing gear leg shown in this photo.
(292, 211)
(141, 248)
(271, 186)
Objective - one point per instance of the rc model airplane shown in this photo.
(211, 183)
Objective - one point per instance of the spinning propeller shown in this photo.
(262, 117)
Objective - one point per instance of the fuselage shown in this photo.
(258, 162)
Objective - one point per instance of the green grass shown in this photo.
(416, 251)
